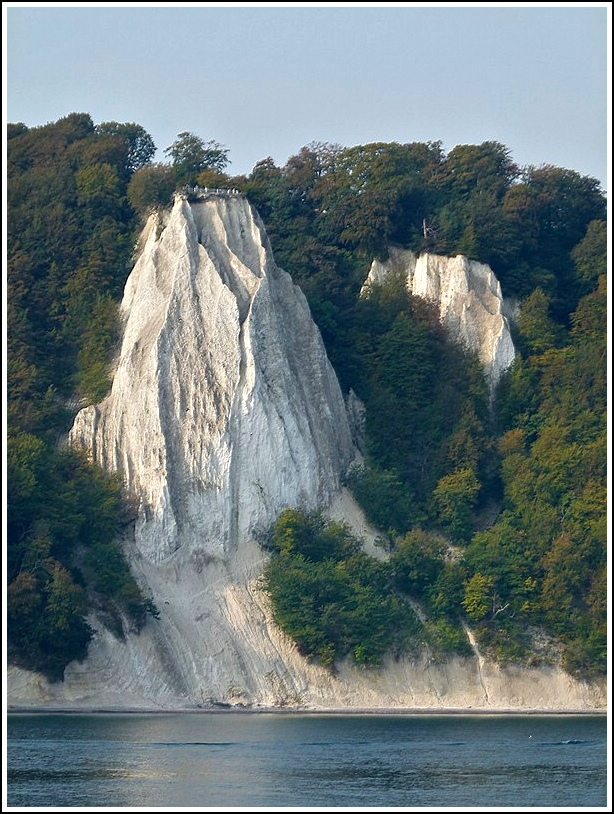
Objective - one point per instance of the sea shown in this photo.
(263, 761)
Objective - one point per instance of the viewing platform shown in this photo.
(196, 193)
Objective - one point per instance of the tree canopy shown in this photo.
(494, 514)
(190, 155)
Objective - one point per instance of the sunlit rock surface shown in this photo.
(469, 299)
(225, 410)
(224, 407)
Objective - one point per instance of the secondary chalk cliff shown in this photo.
(224, 410)
(469, 299)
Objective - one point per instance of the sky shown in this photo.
(265, 79)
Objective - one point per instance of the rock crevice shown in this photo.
(469, 299)
(225, 410)
(224, 407)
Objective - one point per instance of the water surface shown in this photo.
(260, 760)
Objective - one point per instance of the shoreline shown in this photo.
(345, 711)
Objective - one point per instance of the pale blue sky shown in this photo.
(265, 80)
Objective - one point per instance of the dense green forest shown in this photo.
(491, 514)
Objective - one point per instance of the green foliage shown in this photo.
(432, 454)
(98, 186)
(100, 337)
(330, 597)
(444, 595)
(453, 501)
(108, 568)
(46, 617)
(417, 562)
(477, 599)
(506, 643)
(537, 331)
(140, 148)
(69, 242)
(190, 155)
(386, 501)
(548, 214)
(587, 656)
(14, 129)
(436, 451)
(211, 178)
(503, 555)
(309, 535)
(550, 544)
(472, 181)
(64, 515)
(427, 393)
(446, 638)
(590, 256)
(68, 251)
(377, 194)
(25, 461)
(106, 571)
(151, 188)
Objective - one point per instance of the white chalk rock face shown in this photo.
(224, 407)
(225, 410)
(469, 299)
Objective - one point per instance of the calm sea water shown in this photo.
(260, 760)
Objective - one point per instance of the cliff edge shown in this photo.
(225, 410)
(468, 296)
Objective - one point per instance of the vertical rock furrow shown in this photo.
(469, 299)
(224, 408)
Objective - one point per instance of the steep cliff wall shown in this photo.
(224, 407)
(469, 299)
(224, 410)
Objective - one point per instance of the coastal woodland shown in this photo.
(493, 512)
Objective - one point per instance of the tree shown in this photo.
(565, 203)
(552, 211)
(374, 193)
(310, 536)
(384, 497)
(590, 319)
(453, 501)
(476, 168)
(213, 179)
(68, 252)
(151, 188)
(591, 255)
(330, 597)
(477, 599)
(99, 188)
(140, 145)
(46, 613)
(418, 561)
(190, 155)
(100, 336)
(446, 593)
(538, 331)
(25, 460)
(15, 129)
(472, 182)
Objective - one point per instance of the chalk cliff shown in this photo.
(469, 299)
(224, 410)
(224, 406)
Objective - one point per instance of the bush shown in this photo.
(151, 188)
(417, 562)
(330, 597)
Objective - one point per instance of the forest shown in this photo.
(493, 515)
